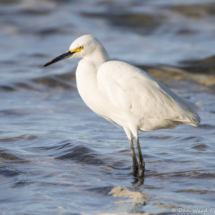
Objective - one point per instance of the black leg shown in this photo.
(135, 164)
(141, 161)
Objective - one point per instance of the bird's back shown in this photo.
(135, 92)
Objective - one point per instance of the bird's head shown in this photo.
(81, 47)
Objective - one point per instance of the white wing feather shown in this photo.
(131, 89)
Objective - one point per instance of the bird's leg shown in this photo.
(135, 164)
(141, 161)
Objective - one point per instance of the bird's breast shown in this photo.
(87, 84)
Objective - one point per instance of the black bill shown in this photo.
(59, 58)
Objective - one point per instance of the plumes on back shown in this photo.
(135, 92)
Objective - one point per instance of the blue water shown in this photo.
(56, 155)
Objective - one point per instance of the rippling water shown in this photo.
(58, 157)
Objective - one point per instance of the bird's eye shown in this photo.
(79, 49)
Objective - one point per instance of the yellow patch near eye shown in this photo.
(77, 49)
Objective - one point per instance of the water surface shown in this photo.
(56, 155)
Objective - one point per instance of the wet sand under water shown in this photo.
(58, 157)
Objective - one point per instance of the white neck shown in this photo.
(98, 57)
(86, 76)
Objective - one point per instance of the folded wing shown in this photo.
(132, 90)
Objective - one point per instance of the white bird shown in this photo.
(126, 95)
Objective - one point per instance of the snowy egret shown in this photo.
(126, 95)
